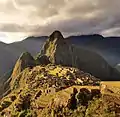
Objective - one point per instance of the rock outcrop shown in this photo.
(42, 60)
(39, 87)
(24, 61)
(60, 51)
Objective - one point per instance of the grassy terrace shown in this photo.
(112, 83)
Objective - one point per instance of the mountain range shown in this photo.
(11, 52)
(62, 80)
(107, 47)
(90, 47)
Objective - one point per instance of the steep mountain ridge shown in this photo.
(11, 52)
(55, 90)
(51, 85)
(60, 51)
(24, 61)
(107, 47)
(34, 88)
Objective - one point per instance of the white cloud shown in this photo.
(111, 32)
(11, 37)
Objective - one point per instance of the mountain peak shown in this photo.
(56, 34)
(25, 55)
(97, 36)
(24, 61)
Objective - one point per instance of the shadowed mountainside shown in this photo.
(107, 47)
(61, 51)
(10, 52)
(51, 85)
(55, 90)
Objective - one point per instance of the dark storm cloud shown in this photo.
(45, 8)
(17, 28)
(11, 28)
(68, 16)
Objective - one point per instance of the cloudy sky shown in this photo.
(22, 18)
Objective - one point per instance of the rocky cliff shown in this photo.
(24, 61)
(60, 51)
(11, 52)
(40, 88)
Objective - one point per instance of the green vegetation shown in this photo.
(99, 108)
(94, 109)
(5, 104)
(112, 83)
(56, 91)
(52, 91)
(40, 88)
(16, 84)
(25, 113)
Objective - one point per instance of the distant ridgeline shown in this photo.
(95, 54)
